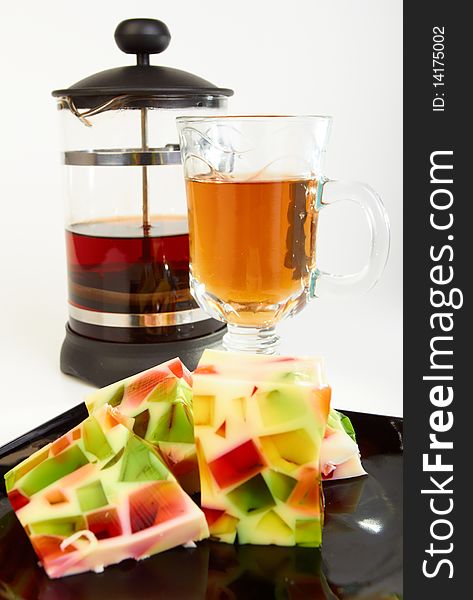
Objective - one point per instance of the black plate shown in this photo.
(361, 555)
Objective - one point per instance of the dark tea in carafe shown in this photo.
(114, 268)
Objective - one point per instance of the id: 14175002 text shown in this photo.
(438, 68)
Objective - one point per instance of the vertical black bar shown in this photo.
(437, 210)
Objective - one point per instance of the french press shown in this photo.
(127, 239)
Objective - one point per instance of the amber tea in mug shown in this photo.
(253, 243)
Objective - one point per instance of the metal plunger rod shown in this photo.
(144, 172)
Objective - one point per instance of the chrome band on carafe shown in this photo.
(167, 319)
(128, 157)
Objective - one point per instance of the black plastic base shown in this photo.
(101, 363)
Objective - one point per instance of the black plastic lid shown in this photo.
(141, 37)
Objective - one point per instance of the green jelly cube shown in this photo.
(91, 496)
(25, 467)
(174, 426)
(117, 395)
(52, 469)
(252, 496)
(140, 463)
(308, 533)
(94, 439)
(63, 526)
(280, 485)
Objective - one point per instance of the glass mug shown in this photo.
(255, 187)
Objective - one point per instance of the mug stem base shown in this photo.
(251, 339)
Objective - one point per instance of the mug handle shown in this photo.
(331, 191)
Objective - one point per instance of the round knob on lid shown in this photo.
(142, 37)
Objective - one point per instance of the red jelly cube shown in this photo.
(138, 389)
(155, 504)
(212, 514)
(172, 503)
(17, 500)
(306, 496)
(236, 466)
(48, 547)
(104, 523)
(179, 370)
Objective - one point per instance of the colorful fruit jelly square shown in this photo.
(100, 496)
(160, 401)
(258, 433)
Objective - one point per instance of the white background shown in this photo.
(337, 57)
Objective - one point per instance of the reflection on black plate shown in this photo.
(361, 556)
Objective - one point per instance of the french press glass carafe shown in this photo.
(126, 226)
